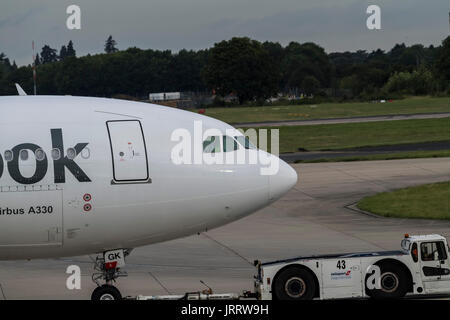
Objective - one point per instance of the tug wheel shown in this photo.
(394, 283)
(294, 284)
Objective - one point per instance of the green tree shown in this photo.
(301, 60)
(2, 73)
(48, 55)
(23, 76)
(70, 50)
(110, 45)
(243, 67)
(5, 61)
(4, 70)
(3, 58)
(186, 69)
(418, 82)
(63, 53)
(443, 61)
(37, 60)
(310, 85)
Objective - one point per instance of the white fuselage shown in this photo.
(105, 178)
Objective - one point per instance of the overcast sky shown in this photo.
(336, 25)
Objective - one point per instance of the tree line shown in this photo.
(244, 68)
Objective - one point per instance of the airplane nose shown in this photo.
(281, 182)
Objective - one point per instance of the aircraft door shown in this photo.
(128, 149)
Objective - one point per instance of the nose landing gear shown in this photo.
(108, 269)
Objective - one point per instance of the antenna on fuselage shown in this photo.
(20, 91)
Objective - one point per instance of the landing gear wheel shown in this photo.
(294, 284)
(394, 283)
(106, 292)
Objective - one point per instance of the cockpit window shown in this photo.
(211, 144)
(229, 144)
(245, 142)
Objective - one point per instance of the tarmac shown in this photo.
(315, 217)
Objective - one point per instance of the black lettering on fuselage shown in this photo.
(64, 162)
(14, 170)
(59, 165)
(1, 166)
